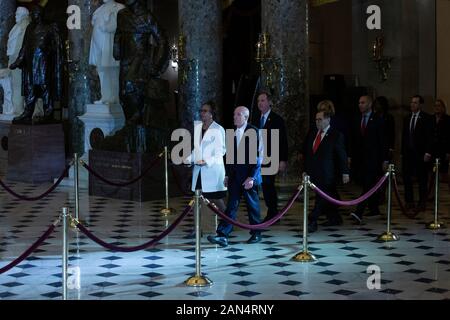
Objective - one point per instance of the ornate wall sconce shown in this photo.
(179, 60)
(383, 63)
(268, 64)
(174, 57)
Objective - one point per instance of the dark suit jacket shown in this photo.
(441, 137)
(240, 172)
(422, 137)
(274, 121)
(368, 150)
(329, 159)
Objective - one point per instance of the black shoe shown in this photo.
(255, 238)
(312, 227)
(331, 223)
(221, 241)
(356, 218)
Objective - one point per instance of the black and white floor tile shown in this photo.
(415, 267)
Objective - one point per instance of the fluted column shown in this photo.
(286, 22)
(200, 23)
(7, 14)
(83, 82)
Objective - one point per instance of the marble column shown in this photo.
(7, 18)
(84, 86)
(286, 22)
(200, 23)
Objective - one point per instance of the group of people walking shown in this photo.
(329, 157)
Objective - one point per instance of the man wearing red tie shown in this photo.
(368, 155)
(324, 153)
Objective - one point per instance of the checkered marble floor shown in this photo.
(415, 267)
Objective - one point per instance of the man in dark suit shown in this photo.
(325, 156)
(243, 175)
(417, 143)
(368, 155)
(268, 120)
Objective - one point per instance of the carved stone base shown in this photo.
(4, 144)
(121, 167)
(35, 153)
(104, 119)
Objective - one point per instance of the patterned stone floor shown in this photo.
(415, 267)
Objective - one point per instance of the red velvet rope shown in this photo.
(410, 214)
(364, 197)
(46, 193)
(143, 246)
(118, 184)
(30, 250)
(264, 225)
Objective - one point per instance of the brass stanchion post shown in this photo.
(305, 256)
(435, 225)
(65, 253)
(166, 210)
(389, 235)
(198, 280)
(76, 186)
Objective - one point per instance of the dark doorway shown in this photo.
(242, 25)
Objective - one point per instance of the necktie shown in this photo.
(363, 124)
(412, 125)
(317, 141)
(262, 122)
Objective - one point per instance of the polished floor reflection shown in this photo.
(415, 267)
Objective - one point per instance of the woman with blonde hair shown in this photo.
(326, 106)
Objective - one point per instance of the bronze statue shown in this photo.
(40, 59)
(143, 51)
(141, 61)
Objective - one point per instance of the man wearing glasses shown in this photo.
(324, 153)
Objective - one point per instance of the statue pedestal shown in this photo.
(121, 167)
(36, 153)
(104, 119)
(7, 117)
(4, 143)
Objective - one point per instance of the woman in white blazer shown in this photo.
(207, 157)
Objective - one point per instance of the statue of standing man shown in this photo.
(104, 21)
(143, 51)
(40, 59)
(12, 80)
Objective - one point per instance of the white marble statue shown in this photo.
(11, 80)
(104, 21)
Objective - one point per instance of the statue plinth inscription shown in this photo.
(36, 153)
(121, 167)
